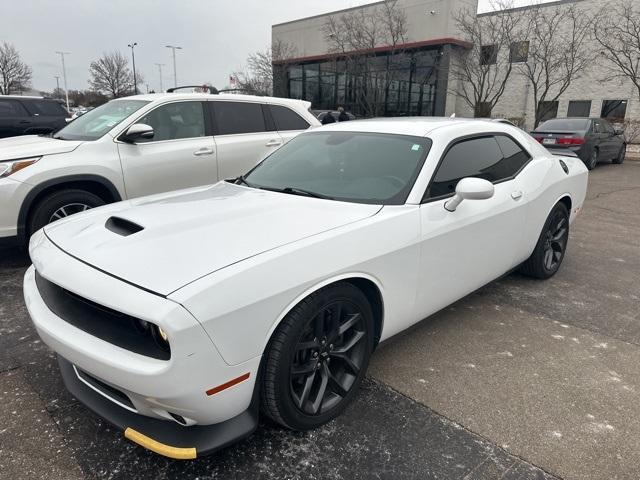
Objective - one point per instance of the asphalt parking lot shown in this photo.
(521, 380)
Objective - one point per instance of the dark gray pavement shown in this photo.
(521, 380)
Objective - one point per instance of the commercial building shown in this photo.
(421, 82)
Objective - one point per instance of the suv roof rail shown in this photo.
(212, 90)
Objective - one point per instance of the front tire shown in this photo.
(60, 204)
(317, 357)
(547, 257)
(621, 155)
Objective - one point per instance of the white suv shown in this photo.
(137, 146)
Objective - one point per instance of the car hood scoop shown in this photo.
(163, 242)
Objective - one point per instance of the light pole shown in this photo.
(133, 60)
(160, 65)
(57, 82)
(64, 77)
(175, 76)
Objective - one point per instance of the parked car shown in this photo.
(175, 316)
(137, 146)
(30, 115)
(592, 139)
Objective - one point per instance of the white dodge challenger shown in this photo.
(177, 317)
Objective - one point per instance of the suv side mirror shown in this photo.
(470, 188)
(138, 131)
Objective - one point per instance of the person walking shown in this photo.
(342, 117)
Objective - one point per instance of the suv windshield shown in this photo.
(95, 123)
(564, 125)
(349, 166)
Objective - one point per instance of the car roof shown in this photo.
(156, 97)
(416, 126)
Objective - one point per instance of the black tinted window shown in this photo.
(287, 119)
(514, 157)
(579, 108)
(11, 108)
(48, 108)
(493, 159)
(238, 117)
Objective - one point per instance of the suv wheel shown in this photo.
(61, 204)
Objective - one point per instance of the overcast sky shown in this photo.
(216, 35)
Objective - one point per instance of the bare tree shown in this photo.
(558, 52)
(258, 77)
(482, 72)
(354, 37)
(111, 75)
(618, 34)
(15, 75)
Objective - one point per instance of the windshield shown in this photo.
(95, 123)
(564, 125)
(350, 166)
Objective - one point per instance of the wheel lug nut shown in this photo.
(331, 346)
(315, 354)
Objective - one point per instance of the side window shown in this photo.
(491, 158)
(174, 121)
(514, 157)
(47, 108)
(11, 108)
(238, 117)
(287, 119)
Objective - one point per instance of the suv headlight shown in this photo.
(12, 166)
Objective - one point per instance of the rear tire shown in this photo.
(60, 204)
(317, 357)
(621, 155)
(547, 257)
(593, 159)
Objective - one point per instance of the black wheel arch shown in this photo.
(95, 184)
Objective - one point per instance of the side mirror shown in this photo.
(138, 131)
(470, 188)
(618, 130)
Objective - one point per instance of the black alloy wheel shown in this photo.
(549, 252)
(317, 357)
(329, 356)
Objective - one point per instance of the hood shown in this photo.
(33, 146)
(163, 242)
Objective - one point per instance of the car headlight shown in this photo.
(159, 336)
(13, 166)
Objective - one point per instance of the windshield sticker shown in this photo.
(415, 147)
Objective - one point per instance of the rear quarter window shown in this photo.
(287, 119)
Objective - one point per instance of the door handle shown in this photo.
(273, 143)
(516, 195)
(203, 151)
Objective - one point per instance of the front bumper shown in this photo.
(160, 436)
(175, 393)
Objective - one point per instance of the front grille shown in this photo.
(107, 390)
(102, 322)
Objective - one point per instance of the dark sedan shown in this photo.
(592, 139)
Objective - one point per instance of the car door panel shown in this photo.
(170, 163)
(237, 154)
(479, 241)
(465, 249)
